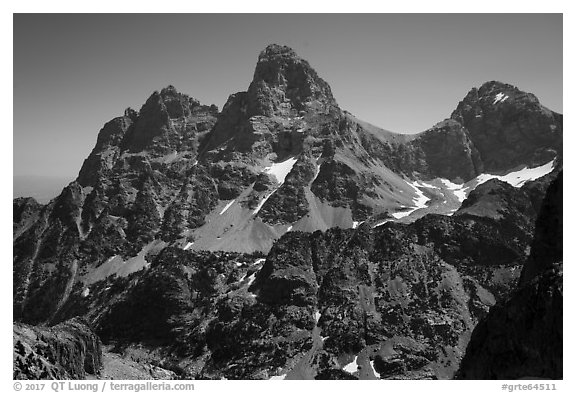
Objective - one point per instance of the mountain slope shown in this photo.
(401, 298)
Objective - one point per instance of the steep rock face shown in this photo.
(69, 350)
(25, 212)
(547, 248)
(143, 165)
(287, 277)
(289, 203)
(447, 151)
(45, 257)
(284, 84)
(168, 120)
(102, 158)
(522, 336)
(509, 127)
(513, 208)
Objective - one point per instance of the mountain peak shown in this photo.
(284, 83)
(509, 126)
(492, 86)
(276, 50)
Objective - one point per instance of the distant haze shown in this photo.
(404, 73)
(41, 188)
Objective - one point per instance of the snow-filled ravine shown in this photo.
(419, 201)
(281, 169)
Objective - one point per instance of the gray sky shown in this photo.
(404, 73)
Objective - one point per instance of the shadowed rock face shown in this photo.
(69, 350)
(547, 247)
(449, 152)
(522, 336)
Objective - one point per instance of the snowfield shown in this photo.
(419, 202)
(353, 366)
(281, 169)
(227, 207)
(515, 178)
(459, 190)
(520, 177)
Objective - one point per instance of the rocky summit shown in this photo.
(283, 238)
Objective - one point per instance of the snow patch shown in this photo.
(382, 223)
(251, 279)
(86, 292)
(317, 316)
(353, 366)
(377, 375)
(258, 261)
(281, 169)
(458, 190)
(262, 202)
(520, 177)
(419, 201)
(277, 377)
(355, 224)
(289, 228)
(317, 169)
(238, 264)
(227, 207)
(188, 245)
(426, 185)
(451, 212)
(500, 97)
(324, 338)
(402, 214)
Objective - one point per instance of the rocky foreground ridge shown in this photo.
(522, 335)
(282, 237)
(69, 350)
